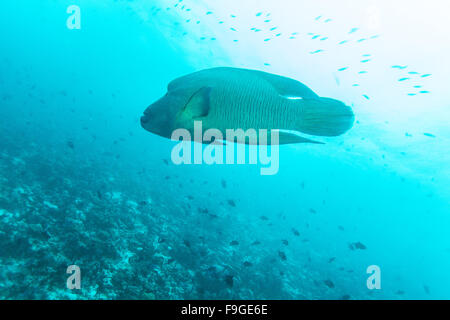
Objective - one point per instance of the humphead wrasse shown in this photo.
(232, 98)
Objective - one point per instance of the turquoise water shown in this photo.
(81, 183)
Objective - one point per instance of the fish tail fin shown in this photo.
(325, 117)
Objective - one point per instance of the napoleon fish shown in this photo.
(231, 98)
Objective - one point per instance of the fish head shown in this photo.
(178, 109)
(159, 117)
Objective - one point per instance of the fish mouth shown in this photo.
(144, 120)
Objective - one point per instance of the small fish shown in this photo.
(329, 283)
(264, 218)
(345, 297)
(231, 203)
(295, 232)
(429, 135)
(224, 183)
(317, 51)
(285, 242)
(247, 264)
(234, 243)
(353, 30)
(427, 289)
(331, 259)
(344, 41)
(399, 67)
(312, 210)
(342, 69)
(255, 243)
(357, 245)
(282, 255)
(426, 75)
(229, 280)
(403, 79)
(366, 96)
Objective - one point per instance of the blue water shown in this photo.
(81, 183)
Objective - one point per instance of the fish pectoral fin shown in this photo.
(287, 137)
(199, 104)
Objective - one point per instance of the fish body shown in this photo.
(232, 98)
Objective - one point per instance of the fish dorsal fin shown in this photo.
(286, 87)
(288, 137)
(199, 104)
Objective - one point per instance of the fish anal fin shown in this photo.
(288, 137)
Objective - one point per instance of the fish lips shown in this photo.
(156, 121)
